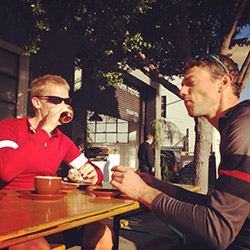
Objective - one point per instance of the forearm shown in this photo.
(215, 225)
(147, 196)
(174, 191)
(162, 186)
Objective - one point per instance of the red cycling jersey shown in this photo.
(25, 153)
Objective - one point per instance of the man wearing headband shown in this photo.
(210, 89)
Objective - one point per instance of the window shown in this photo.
(109, 130)
(14, 74)
(163, 106)
(78, 79)
(9, 65)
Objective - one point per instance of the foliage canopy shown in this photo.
(112, 35)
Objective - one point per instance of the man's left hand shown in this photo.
(130, 183)
(127, 181)
(89, 174)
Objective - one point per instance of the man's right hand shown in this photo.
(130, 183)
(51, 121)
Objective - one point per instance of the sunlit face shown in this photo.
(52, 90)
(200, 94)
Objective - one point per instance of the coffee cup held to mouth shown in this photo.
(66, 117)
(47, 184)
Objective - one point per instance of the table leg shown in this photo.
(116, 229)
(116, 222)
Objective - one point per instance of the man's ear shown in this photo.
(35, 102)
(225, 82)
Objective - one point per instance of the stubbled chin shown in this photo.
(190, 111)
(189, 108)
(191, 114)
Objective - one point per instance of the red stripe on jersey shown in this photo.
(235, 173)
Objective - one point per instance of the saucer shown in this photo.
(45, 197)
(84, 186)
(67, 186)
(105, 192)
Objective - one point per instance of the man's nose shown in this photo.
(183, 91)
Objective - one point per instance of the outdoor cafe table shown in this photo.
(23, 219)
(142, 210)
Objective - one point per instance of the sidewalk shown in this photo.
(155, 233)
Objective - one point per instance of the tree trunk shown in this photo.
(245, 72)
(234, 21)
(203, 128)
(202, 150)
(158, 162)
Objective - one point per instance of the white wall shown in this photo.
(177, 113)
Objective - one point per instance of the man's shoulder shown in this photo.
(144, 145)
(239, 114)
(14, 121)
(242, 109)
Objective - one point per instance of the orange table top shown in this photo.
(23, 218)
(192, 188)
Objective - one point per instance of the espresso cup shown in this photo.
(47, 184)
(66, 117)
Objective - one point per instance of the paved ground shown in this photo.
(143, 231)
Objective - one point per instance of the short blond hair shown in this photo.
(39, 85)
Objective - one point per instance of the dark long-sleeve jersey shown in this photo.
(219, 221)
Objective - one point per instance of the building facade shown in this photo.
(125, 110)
(123, 114)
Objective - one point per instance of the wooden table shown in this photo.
(192, 188)
(142, 210)
(23, 219)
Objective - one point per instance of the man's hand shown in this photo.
(51, 120)
(130, 183)
(89, 174)
(127, 181)
(85, 175)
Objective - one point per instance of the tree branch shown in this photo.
(245, 72)
(228, 37)
(153, 71)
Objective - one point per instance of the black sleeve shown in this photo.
(175, 191)
(215, 225)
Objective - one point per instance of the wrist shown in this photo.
(47, 129)
(147, 195)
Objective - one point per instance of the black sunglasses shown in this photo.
(55, 99)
